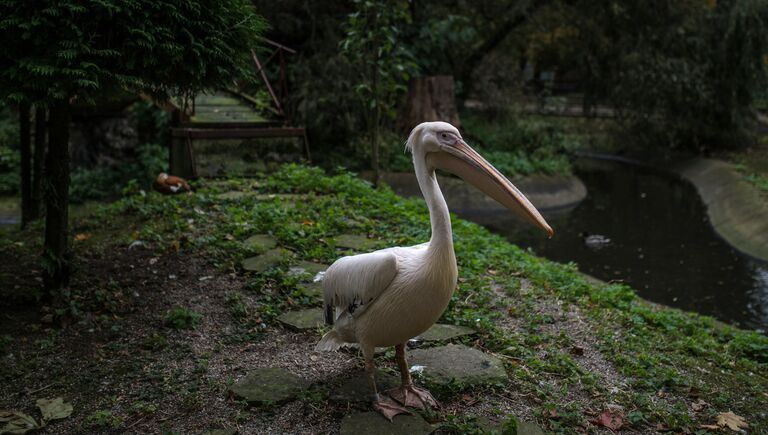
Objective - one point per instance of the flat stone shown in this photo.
(456, 364)
(260, 242)
(373, 423)
(307, 267)
(269, 385)
(356, 388)
(440, 332)
(303, 319)
(355, 241)
(262, 262)
(313, 289)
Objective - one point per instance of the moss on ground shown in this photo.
(572, 347)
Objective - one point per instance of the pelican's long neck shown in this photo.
(439, 217)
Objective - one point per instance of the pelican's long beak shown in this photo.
(462, 160)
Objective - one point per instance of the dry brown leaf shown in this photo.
(699, 405)
(611, 419)
(732, 421)
(79, 237)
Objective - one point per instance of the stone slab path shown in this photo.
(262, 262)
(302, 320)
(373, 423)
(456, 364)
(269, 385)
(307, 268)
(440, 332)
(355, 242)
(356, 387)
(260, 243)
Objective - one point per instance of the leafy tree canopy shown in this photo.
(55, 50)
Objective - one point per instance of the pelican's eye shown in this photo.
(446, 138)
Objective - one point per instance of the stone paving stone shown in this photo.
(262, 262)
(457, 364)
(440, 331)
(269, 385)
(357, 388)
(260, 242)
(355, 242)
(307, 267)
(373, 423)
(302, 320)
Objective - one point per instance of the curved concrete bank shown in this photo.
(735, 208)
(547, 193)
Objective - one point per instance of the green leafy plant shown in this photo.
(182, 318)
(373, 45)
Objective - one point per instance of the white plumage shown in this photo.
(387, 297)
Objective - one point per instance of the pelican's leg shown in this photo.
(409, 394)
(383, 404)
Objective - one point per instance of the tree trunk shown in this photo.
(25, 148)
(56, 250)
(430, 98)
(37, 163)
(375, 129)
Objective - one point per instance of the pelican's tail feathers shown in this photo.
(331, 341)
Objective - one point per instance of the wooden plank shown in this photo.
(238, 133)
(228, 124)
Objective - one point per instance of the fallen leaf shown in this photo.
(79, 237)
(699, 405)
(611, 419)
(54, 409)
(732, 421)
(17, 423)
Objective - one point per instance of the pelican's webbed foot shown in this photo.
(388, 407)
(413, 396)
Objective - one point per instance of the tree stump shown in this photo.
(430, 98)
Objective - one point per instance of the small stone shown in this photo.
(373, 423)
(357, 388)
(269, 385)
(440, 332)
(48, 318)
(456, 364)
(307, 268)
(355, 242)
(303, 319)
(262, 262)
(260, 243)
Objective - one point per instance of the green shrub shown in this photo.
(182, 318)
(101, 183)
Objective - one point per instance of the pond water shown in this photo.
(660, 243)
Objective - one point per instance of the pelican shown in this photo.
(386, 297)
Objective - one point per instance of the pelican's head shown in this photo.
(441, 146)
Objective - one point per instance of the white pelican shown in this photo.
(386, 297)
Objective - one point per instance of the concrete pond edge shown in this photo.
(735, 208)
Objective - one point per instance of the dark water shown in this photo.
(661, 244)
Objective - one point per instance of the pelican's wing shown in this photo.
(351, 283)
